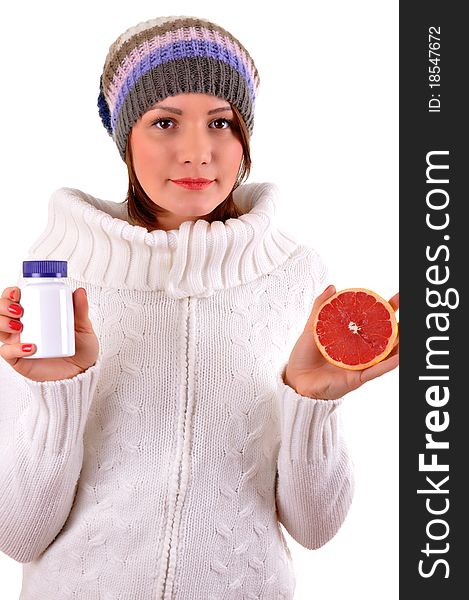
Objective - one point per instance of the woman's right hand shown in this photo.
(47, 369)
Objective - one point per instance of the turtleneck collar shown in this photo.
(197, 259)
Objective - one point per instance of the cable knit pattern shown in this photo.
(167, 469)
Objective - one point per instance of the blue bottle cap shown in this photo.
(44, 268)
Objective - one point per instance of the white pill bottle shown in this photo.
(48, 317)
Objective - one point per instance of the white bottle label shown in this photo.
(48, 319)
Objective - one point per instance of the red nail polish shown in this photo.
(12, 295)
(15, 310)
(16, 325)
(26, 347)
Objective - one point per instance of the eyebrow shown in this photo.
(178, 111)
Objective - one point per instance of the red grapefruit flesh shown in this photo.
(355, 328)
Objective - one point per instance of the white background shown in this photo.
(326, 132)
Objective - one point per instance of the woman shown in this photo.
(159, 460)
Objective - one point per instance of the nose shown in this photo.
(195, 146)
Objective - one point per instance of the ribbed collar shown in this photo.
(197, 259)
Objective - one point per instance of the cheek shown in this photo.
(233, 154)
(147, 157)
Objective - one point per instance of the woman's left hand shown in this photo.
(311, 375)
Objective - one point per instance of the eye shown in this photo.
(162, 121)
(228, 121)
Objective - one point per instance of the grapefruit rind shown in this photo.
(379, 357)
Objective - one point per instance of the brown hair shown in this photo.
(144, 212)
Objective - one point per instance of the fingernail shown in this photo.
(15, 310)
(16, 325)
(26, 347)
(12, 295)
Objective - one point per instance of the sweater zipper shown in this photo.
(184, 417)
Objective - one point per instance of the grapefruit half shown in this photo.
(355, 328)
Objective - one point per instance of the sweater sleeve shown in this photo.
(41, 453)
(315, 483)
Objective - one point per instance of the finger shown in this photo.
(12, 352)
(12, 293)
(395, 350)
(10, 327)
(386, 365)
(327, 293)
(80, 309)
(394, 301)
(396, 341)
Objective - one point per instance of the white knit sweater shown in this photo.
(164, 470)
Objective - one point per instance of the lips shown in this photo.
(192, 180)
(193, 184)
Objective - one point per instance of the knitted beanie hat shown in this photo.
(173, 55)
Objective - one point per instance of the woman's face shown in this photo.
(186, 136)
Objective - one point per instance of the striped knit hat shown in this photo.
(168, 56)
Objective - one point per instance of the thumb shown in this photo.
(327, 293)
(80, 309)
